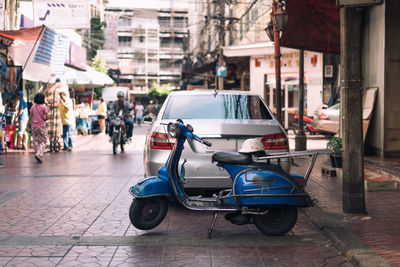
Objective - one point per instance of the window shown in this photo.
(241, 29)
(124, 21)
(254, 15)
(222, 106)
(165, 42)
(164, 22)
(247, 26)
(180, 22)
(124, 41)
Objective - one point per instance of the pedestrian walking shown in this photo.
(151, 108)
(101, 115)
(139, 113)
(37, 120)
(67, 119)
(21, 118)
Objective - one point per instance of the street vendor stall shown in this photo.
(40, 52)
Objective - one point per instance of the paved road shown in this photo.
(73, 211)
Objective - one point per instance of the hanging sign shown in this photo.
(61, 14)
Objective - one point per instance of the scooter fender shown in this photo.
(151, 187)
(267, 186)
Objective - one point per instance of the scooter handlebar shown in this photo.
(207, 143)
(202, 140)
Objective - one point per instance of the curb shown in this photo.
(356, 251)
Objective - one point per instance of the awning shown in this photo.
(28, 34)
(33, 71)
(313, 25)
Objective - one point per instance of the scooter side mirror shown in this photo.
(190, 128)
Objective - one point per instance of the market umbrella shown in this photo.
(89, 77)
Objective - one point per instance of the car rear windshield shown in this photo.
(222, 106)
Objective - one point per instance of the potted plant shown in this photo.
(335, 144)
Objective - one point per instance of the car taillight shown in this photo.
(275, 141)
(161, 141)
(322, 116)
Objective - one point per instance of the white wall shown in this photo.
(290, 68)
(374, 70)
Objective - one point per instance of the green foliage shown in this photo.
(97, 92)
(99, 64)
(96, 37)
(159, 92)
(335, 144)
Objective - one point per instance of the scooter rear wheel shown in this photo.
(147, 213)
(278, 221)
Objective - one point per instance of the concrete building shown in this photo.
(252, 20)
(150, 43)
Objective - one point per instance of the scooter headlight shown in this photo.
(173, 129)
(117, 122)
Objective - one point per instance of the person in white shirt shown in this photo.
(139, 113)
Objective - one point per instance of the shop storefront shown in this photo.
(262, 76)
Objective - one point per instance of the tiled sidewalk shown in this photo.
(379, 229)
(72, 210)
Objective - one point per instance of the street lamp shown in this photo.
(279, 19)
(270, 31)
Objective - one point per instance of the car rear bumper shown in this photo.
(199, 174)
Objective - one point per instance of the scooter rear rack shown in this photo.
(311, 153)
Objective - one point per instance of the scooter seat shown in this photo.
(231, 158)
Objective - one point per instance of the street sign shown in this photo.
(61, 14)
(221, 71)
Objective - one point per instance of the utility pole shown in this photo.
(277, 49)
(172, 44)
(221, 36)
(10, 15)
(351, 100)
(301, 139)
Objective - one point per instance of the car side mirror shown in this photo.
(148, 119)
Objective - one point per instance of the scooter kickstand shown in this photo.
(210, 230)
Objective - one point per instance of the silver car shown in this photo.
(327, 119)
(224, 118)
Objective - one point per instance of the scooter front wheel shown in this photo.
(147, 213)
(115, 143)
(277, 221)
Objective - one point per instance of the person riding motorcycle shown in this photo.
(125, 106)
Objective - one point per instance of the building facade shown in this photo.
(150, 44)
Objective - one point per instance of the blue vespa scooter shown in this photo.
(262, 193)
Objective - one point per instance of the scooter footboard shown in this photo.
(297, 200)
(151, 187)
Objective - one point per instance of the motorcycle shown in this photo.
(119, 137)
(307, 125)
(262, 193)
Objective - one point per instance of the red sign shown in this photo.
(126, 66)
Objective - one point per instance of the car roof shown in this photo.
(211, 92)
